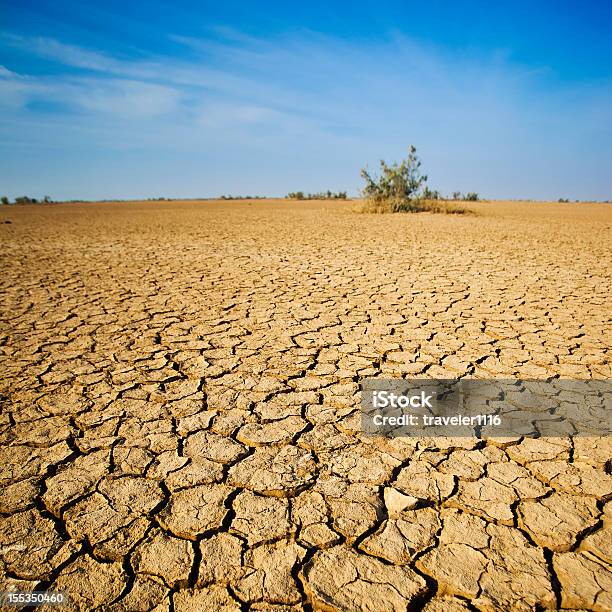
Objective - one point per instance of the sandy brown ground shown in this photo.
(179, 390)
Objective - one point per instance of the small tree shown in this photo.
(4, 200)
(399, 186)
(471, 197)
(456, 195)
(429, 194)
(296, 195)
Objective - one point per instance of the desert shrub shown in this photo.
(429, 194)
(468, 197)
(232, 197)
(25, 200)
(563, 200)
(441, 206)
(398, 188)
(4, 200)
(295, 195)
(402, 188)
(319, 195)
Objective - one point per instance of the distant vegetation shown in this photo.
(322, 195)
(457, 196)
(247, 197)
(25, 200)
(402, 188)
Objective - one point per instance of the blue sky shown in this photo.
(148, 99)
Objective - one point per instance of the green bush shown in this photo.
(25, 200)
(471, 197)
(4, 200)
(402, 188)
(320, 195)
(399, 186)
(295, 195)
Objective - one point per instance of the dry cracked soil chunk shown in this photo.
(195, 422)
(19, 496)
(166, 463)
(599, 543)
(399, 540)
(492, 564)
(268, 573)
(446, 604)
(556, 521)
(198, 471)
(75, 479)
(132, 461)
(123, 541)
(192, 512)
(325, 438)
(488, 498)
(275, 472)
(540, 449)
(222, 559)
(276, 432)
(118, 503)
(215, 597)
(341, 579)
(90, 584)
(30, 546)
(310, 513)
(576, 478)
(359, 463)
(259, 518)
(586, 583)
(397, 502)
(43, 432)
(355, 508)
(148, 593)
(214, 447)
(166, 557)
(421, 480)
(21, 462)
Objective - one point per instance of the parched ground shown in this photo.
(179, 422)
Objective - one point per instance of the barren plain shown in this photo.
(179, 406)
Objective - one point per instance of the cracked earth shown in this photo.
(179, 406)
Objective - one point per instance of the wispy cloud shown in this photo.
(68, 55)
(312, 75)
(308, 96)
(124, 98)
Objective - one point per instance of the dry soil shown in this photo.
(179, 389)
